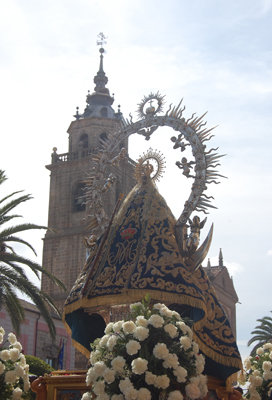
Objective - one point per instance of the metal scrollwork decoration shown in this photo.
(191, 133)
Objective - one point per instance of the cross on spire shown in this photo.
(101, 39)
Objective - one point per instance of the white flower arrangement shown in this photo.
(14, 378)
(150, 355)
(258, 374)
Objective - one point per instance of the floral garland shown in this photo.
(150, 356)
(14, 379)
(258, 374)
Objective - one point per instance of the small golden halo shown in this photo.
(151, 110)
(151, 163)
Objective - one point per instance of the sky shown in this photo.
(215, 54)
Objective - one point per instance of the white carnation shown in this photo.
(144, 394)
(109, 375)
(99, 368)
(162, 382)
(14, 354)
(171, 361)
(133, 347)
(117, 397)
(10, 377)
(1, 338)
(160, 351)
(171, 330)
(260, 351)
(181, 374)
(118, 363)
(267, 375)
(111, 342)
(94, 357)
(141, 333)
(175, 395)
(99, 387)
(267, 346)
(19, 370)
(104, 340)
(185, 329)
(139, 366)
(87, 396)
(2, 367)
(158, 306)
(200, 363)
(156, 321)
(5, 355)
(109, 328)
(247, 363)
(165, 312)
(267, 365)
(117, 326)
(192, 391)
(141, 321)
(17, 345)
(185, 342)
(2, 331)
(17, 393)
(12, 338)
(150, 378)
(129, 327)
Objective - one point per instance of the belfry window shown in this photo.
(83, 141)
(103, 137)
(79, 197)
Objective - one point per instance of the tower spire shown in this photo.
(221, 264)
(101, 79)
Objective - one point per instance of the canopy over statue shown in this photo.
(142, 249)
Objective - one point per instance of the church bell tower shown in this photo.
(64, 251)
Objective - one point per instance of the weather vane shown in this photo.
(101, 39)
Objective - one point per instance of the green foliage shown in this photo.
(262, 333)
(37, 366)
(12, 265)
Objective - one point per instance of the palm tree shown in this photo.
(12, 266)
(262, 333)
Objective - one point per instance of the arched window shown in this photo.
(104, 112)
(79, 197)
(103, 137)
(83, 142)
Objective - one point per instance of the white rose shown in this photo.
(17, 393)
(144, 394)
(14, 354)
(162, 381)
(171, 330)
(141, 333)
(5, 355)
(125, 384)
(200, 363)
(133, 347)
(2, 331)
(160, 351)
(12, 338)
(175, 395)
(141, 321)
(129, 327)
(267, 346)
(192, 391)
(267, 375)
(156, 321)
(26, 385)
(94, 357)
(165, 312)
(260, 351)
(185, 329)
(139, 366)
(1, 338)
(247, 363)
(158, 306)
(118, 363)
(19, 370)
(185, 342)
(195, 348)
(108, 328)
